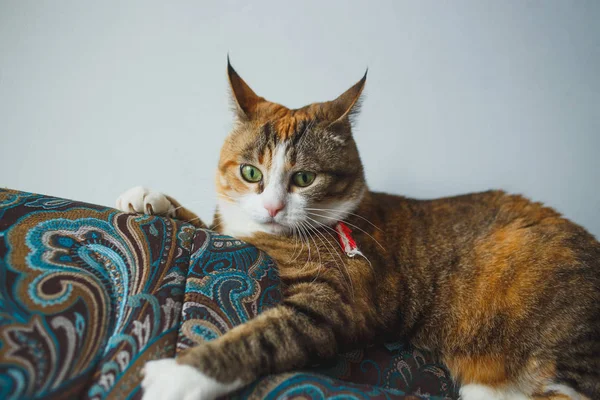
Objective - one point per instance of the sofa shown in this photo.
(88, 294)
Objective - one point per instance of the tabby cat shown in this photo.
(505, 291)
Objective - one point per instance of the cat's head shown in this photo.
(284, 170)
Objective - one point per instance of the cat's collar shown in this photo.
(346, 240)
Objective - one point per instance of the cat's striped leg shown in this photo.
(303, 328)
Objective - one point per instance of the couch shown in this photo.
(88, 294)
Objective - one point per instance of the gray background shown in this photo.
(96, 97)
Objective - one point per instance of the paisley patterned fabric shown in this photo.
(88, 294)
(84, 291)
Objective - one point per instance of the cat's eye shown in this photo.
(250, 173)
(303, 178)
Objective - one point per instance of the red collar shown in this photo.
(346, 240)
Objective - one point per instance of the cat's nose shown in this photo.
(274, 208)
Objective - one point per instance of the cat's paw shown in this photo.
(144, 201)
(474, 391)
(167, 380)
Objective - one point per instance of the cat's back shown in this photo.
(475, 217)
(511, 226)
(522, 248)
(498, 234)
(498, 261)
(502, 251)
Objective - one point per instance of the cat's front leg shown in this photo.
(145, 201)
(307, 326)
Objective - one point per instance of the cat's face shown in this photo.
(284, 171)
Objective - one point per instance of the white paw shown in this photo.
(478, 392)
(144, 201)
(474, 391)
(167, 380)
(563, 389)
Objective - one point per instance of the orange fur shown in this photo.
(487, 370)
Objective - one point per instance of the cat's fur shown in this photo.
(505, 291)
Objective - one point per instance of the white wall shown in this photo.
(462, 96)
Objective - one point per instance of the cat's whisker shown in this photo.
(318, 253)
(360, 254)
(193, 219)
(307, 246)
(320, 263)
(369, 261)
(310, 253)
(334, 238)
(332, 210)
(328, 246)
(214, 227)
(319, 223)
(296, 230)
(333, 230)
(298, 239)
(301, 239)
(307, 236)
(312, 236)
(352, 225)
(293, 228)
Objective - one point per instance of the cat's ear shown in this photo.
(347, 105)
(245, 100)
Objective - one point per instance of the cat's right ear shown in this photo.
(245, 100)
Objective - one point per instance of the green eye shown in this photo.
(250, 173)
(304, 178)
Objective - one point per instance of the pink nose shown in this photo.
(274, 209)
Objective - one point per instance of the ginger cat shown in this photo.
(504, 290)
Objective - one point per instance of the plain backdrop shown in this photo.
(462, 96)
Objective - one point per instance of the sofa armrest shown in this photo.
(85, 291)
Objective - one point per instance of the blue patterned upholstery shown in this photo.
(89, 294)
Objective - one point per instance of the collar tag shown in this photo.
(346, 240)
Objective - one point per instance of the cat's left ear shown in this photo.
(246, 101)
(347, 105)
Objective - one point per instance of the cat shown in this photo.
(505, 291)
